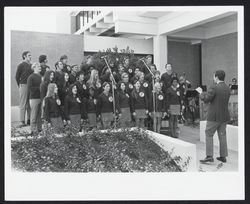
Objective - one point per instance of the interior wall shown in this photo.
(185, 57)
(219, 53)
(50, 44)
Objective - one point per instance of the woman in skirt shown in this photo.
(160, 106)
(91, 103)
(105, 106)
(73, 108)
(139, 102)
(52, 111)
(173, 104)
(124, 104)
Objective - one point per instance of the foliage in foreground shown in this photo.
(125, 151)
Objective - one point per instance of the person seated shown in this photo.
(184, 85)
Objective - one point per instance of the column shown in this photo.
(160, 47)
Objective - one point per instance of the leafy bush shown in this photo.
(115, 55)
(95, 151)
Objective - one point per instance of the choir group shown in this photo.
(116, 94)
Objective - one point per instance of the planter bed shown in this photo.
(98, 151)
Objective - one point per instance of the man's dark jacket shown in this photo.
(217, 96)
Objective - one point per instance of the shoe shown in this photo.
(207, 160)
(28, 122)
(222, 159)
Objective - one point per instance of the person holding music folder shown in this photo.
(173, 105)
(139, 104)
(160, 106)
(105, 106)
(52, 110)
(124, 102)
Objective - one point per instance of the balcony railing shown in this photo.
(84, 17)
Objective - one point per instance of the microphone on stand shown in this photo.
(142, 59)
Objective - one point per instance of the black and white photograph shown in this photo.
(124, 103)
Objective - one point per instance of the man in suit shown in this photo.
(218, 115)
